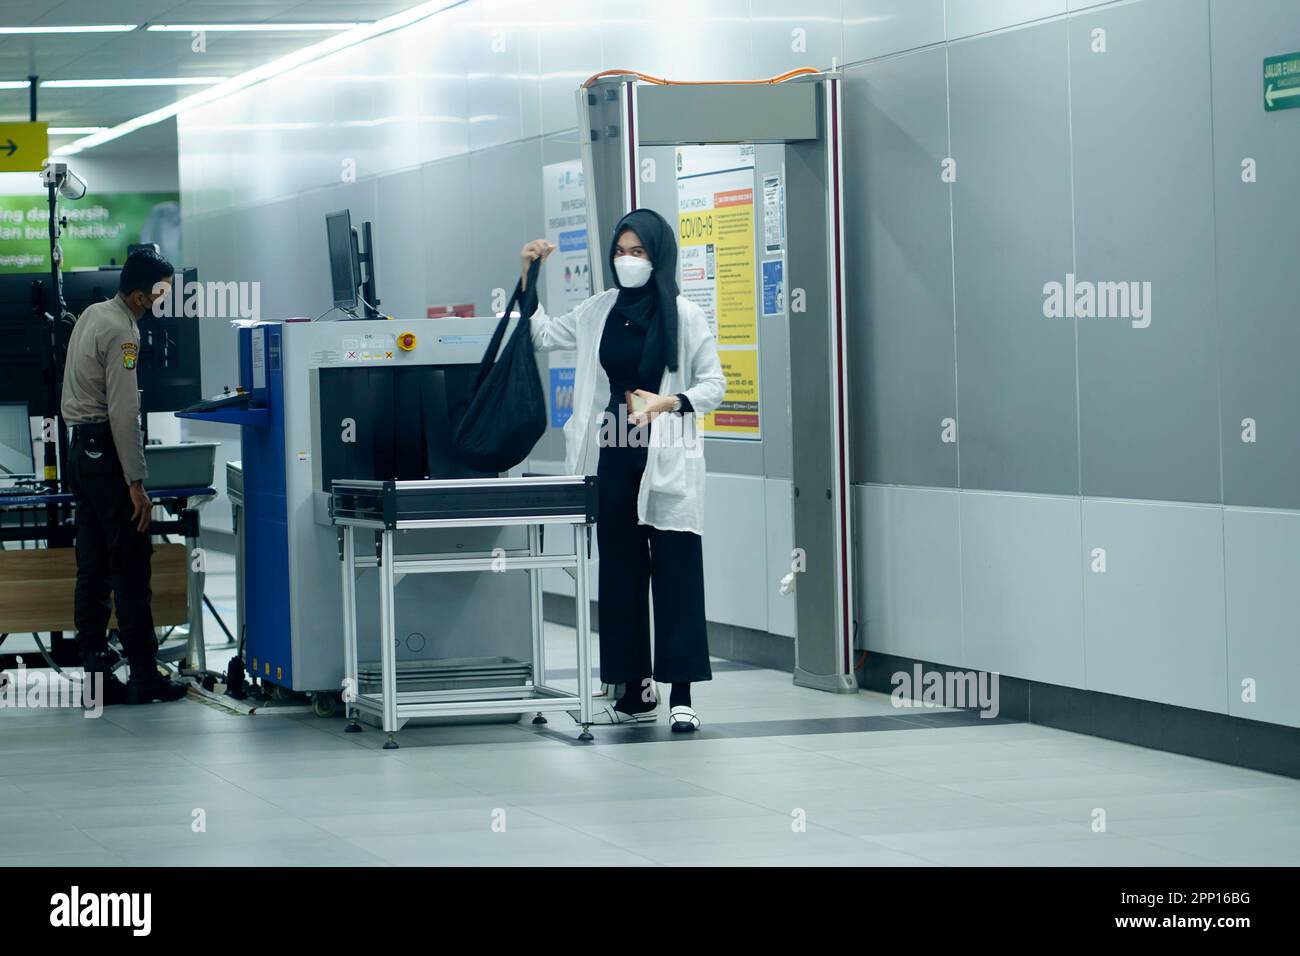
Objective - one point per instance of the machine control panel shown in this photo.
(380, 343)
(369, 347)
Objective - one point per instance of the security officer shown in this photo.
(107, 472)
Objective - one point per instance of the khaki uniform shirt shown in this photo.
(99, 381)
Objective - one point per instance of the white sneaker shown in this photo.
(683, 720)
(606, 716)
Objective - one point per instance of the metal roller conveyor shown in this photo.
(400, 505)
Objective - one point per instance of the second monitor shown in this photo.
(352, 286)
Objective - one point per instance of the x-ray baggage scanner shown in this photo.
(370, 401)
(621, 112)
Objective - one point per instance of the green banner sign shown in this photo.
(98, 231)
(1282, 82)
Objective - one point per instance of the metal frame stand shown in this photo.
(394, 707)
(800, 112)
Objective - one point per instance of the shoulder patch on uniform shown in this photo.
(129, 352)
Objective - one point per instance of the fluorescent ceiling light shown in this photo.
(97, 28)
(307, 54)
(134, 81)
(74, 130)
(14, 84)
(251, 27)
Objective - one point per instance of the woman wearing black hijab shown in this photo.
(647, 367)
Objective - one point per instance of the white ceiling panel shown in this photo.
(139, 11)
(141, 53)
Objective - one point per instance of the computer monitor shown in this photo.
(167, 370)
(345, 259)
(82, 287)
(25, 298)
(16, 457)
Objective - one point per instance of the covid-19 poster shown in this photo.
(566, 276)
(98, 231)
(715, 211)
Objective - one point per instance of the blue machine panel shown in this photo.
(267, 639)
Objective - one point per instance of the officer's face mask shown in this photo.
(633, 271)
(145, 301)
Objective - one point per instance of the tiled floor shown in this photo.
(780, 775)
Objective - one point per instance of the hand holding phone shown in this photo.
(643, 406)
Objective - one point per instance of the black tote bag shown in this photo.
(506, 414)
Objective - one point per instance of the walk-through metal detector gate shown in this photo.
(619, 114)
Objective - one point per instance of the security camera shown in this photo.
(62, 178)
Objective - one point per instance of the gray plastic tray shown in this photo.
(187, 465)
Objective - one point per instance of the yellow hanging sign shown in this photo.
(24, 147)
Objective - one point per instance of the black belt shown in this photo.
(90, 429)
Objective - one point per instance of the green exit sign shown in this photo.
(1282, 82)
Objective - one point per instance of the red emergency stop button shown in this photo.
(406, 341)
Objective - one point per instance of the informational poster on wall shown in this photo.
(98, 231)
(718, 270)
(561, 387)
(773, 287)
(566, 276)
(773, 216)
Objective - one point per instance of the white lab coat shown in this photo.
(671, 496)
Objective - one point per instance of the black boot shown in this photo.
(102, 687)
(147, 685)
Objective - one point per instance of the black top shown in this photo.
(621, 347)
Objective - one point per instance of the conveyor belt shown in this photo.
(425, 504)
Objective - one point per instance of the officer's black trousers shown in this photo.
(112, 556)
(634, 559)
